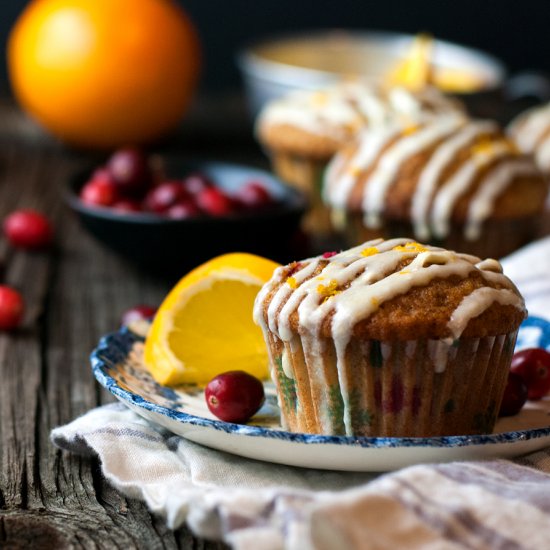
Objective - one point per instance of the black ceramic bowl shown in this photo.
(170, 246)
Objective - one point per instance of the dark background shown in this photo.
(518, 31)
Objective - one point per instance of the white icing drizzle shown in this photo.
(370, 146)
(529, 127)
(388, 166)
(341, 109)
(491, 187)
(458, 184)
(286, 364)
(477, 302)
(433, 199)
(529, 130)
(431, 174)
(367, 282)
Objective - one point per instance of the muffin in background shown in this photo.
(303, 130)
(531, 132)
(450, 181)
(391, 338)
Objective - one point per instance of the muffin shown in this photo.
(390, 338)
(451, 181)
(531, 132)
(303, 130)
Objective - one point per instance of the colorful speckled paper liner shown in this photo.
(419, 388)
(498, 237)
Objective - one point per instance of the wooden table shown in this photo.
(74, 294)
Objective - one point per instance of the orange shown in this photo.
(104, 73)
(204, 326)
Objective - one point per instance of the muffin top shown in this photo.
(531, 131)
(390, 290)
(317, 123)
(449, 169)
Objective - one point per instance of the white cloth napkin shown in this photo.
(251, 504)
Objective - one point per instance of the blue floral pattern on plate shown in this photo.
(117, 365)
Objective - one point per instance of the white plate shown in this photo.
(118, 366)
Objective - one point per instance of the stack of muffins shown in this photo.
(390, 162)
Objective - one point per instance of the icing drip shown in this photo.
(454, 188)
(492, 186)
(477, 302)
(431, 174)
(388, 166)
(529, 128)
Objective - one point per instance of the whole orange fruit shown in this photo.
(104, 73)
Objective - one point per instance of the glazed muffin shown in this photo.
(390, 338)
(451, 181)
(303, 130)
(531, 132)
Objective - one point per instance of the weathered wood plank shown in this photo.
(75, 293)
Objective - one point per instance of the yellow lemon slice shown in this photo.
(204, 326)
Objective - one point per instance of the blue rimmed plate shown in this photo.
(117, 364)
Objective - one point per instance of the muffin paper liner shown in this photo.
(417, 388)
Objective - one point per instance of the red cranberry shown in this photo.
(195, 182)
(533, 365)
(28, 229)
(215, 202)
(163, 196)
(11, 308)
(183, 210)
(130, 170)
(515, 395)
(127, 205)
(234, 396)
(99, 192)
(254, 195)
(138, 313)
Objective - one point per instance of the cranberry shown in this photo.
(138, 313)
(515, 395)
(215, 202)
(130, 171)
(127, 205)
(28, 229)
(533, 365)
(254, 195)
(183, 210)
(195, 182)
(234, 396)
(11, 308)
(163, 196)
(99, 191)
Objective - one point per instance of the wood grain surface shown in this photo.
(74, 293)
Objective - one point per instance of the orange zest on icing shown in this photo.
(409, 130)
(370, 251)
(328, 290)
(291, 282)
(410, 247)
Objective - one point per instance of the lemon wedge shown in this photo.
(204, 325)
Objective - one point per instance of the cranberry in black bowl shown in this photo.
(190, 213)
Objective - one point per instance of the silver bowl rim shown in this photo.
(253, 64)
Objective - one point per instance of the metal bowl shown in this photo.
(308, 61)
